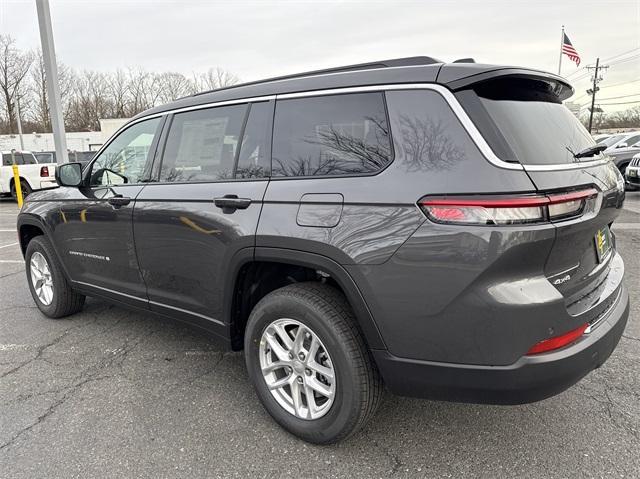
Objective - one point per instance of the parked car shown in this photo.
(45, 156)
(622, 156)
(33, 175)
(624, 141)
(602, 137)
(378, 224)
(632, 173)
(74, 156)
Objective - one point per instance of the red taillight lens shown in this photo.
(44, 171)
(506, 210)
(557, 342)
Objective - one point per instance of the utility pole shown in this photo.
(53, 87)
(19, 123)
(594, 88)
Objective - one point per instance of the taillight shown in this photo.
(503, 210)
(44, 171)
(557, 342)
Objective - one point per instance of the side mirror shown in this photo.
(622, 145)
(69, 174)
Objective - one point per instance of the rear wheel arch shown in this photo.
(272, 268)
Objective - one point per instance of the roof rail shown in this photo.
(394, 62)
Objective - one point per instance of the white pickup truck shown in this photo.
(33, 175)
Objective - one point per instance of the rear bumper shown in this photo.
(529, 379)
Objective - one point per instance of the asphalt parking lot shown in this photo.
(110, 392)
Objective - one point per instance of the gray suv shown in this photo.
(439, 229)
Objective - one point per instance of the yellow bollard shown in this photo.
(16, 182)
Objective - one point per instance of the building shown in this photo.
(76, 141)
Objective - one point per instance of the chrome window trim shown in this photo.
(449, 97)
(447, 94)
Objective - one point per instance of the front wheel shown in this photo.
(51, 291)
(309, 364)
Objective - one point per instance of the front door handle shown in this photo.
(232, 202)
(119, 201)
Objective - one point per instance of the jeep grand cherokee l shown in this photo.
(439, 229)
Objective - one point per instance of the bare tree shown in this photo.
(40, 113)
(172, 85)
(143, 91)
(213, 79)
(14, 68)
(118, 88)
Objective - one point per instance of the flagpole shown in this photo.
(561, 43)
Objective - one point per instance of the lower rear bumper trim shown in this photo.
(530, 379)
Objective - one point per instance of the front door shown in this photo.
(94, 233)
(203, 209)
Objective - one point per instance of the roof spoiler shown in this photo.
(462, 76)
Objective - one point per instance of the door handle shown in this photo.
(232, 202)
(119, 200)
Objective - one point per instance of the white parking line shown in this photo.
(16, 261)
(10, 244)
(8, 231)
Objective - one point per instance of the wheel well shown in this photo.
(257, 279)
(12, 181)
(27, 233)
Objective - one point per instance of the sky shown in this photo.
(260, 39)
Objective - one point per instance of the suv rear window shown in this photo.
(531, 119)
(331, 135)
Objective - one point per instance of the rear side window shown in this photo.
(29, 159)
(201, 144)
(331, 135)
(6, 159)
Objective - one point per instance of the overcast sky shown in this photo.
(257, 39)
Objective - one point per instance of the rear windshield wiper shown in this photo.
(589, 151)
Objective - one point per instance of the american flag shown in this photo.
(567, 49)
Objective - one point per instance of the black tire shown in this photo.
(65, 300)
(358, 387)
(24, 186)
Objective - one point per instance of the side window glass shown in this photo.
(427, 135)
(6, 159)
(29, 159)
(331, 135)
(254, 161)
(201, 144)
(19, 159)
(124, 159)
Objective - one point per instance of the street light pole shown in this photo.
(53, 87)
(19, 123)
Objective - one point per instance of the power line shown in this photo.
(624, 60)
(620, 54)
(620, 103)
(621, 83)
(618, 97)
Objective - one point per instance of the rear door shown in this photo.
(203, 209)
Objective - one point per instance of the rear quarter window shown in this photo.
(331, 135)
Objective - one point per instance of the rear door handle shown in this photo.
(232, 202)
(119, 201)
